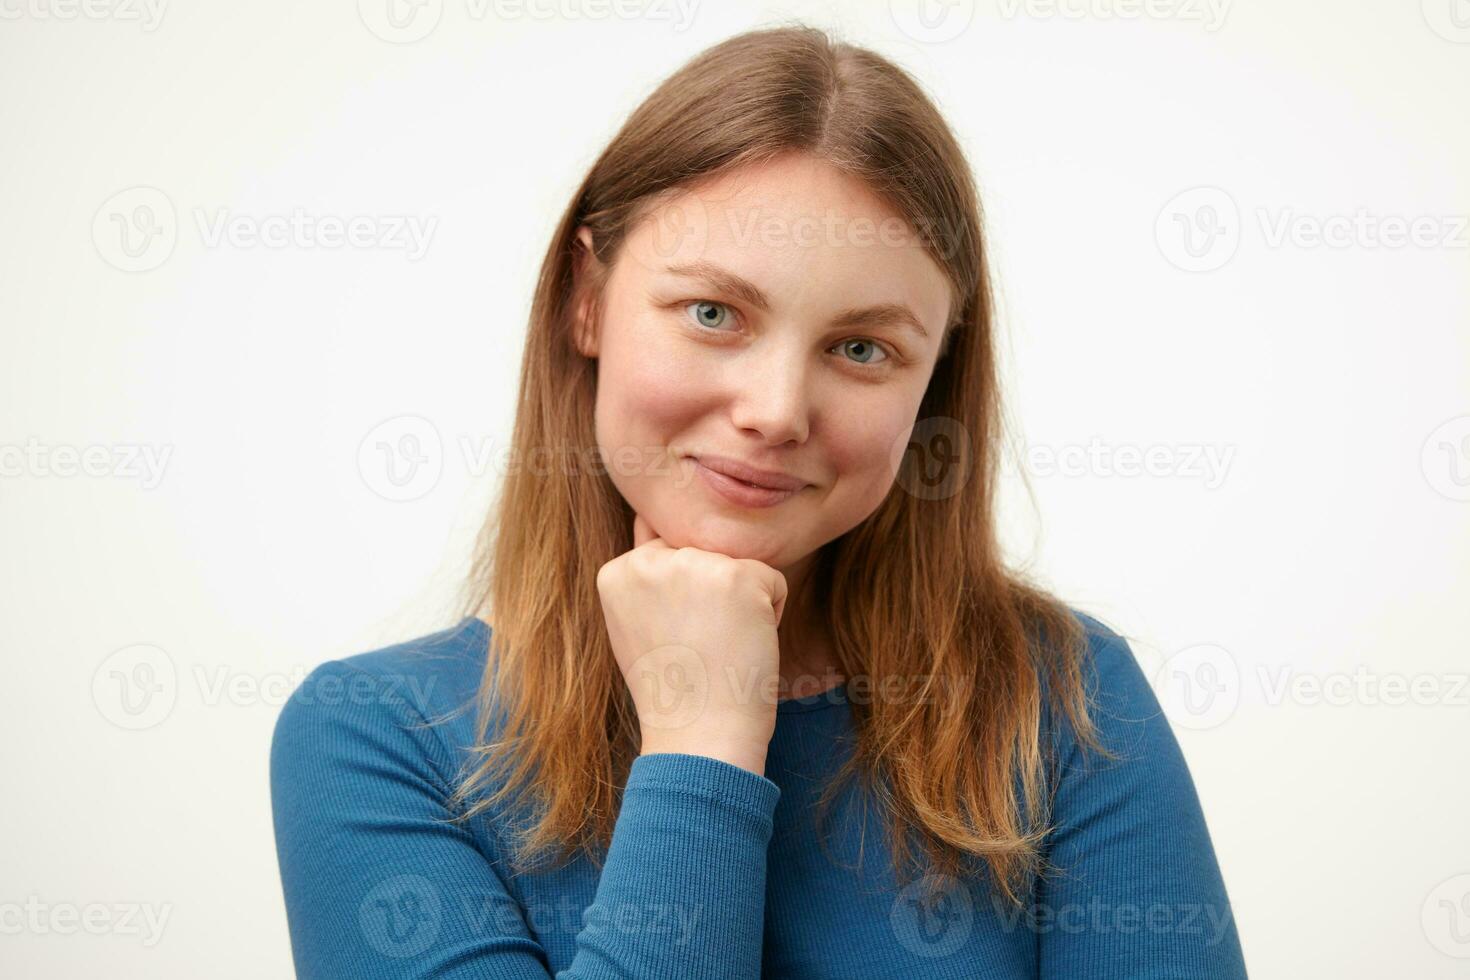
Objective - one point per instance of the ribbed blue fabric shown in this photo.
(716, 873)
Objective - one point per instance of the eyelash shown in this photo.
(891, 356)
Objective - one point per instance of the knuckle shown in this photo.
(608, 574)
(640, 563)
(726, 574)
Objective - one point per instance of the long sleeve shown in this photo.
(1140, 895)
(378, 883)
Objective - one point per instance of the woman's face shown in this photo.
(762, 318)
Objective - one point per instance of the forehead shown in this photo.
(805, 232)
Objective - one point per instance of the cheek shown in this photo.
(865, 452)
(646, 392)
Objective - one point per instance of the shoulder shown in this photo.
(1127, 830)
(420, 692)
(1121, 703)
(433, 673)
(1109, 664)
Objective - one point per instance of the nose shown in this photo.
(771, 395)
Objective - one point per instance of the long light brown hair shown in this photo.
(917, 591)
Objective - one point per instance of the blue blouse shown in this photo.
(714, 872)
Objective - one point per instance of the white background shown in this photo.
(1301, 605)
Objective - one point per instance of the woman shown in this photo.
(760, 698)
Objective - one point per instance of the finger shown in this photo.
(774, 583)
(778, 593)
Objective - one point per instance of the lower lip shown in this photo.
(738, 492)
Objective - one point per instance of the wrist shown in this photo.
(745, 753)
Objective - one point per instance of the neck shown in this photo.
(807, 664)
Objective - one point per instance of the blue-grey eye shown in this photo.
(709, 313)
(866, 348)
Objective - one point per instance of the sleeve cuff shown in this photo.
(706, 777)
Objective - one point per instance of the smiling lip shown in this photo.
(712, 473)
(738, 493)
(764, 479)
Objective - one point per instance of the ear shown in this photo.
(585, 269)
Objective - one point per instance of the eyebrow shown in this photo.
(878, 315)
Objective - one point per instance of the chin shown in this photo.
(762, 545)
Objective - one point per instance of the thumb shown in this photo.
(778, 594)
(772, 580)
